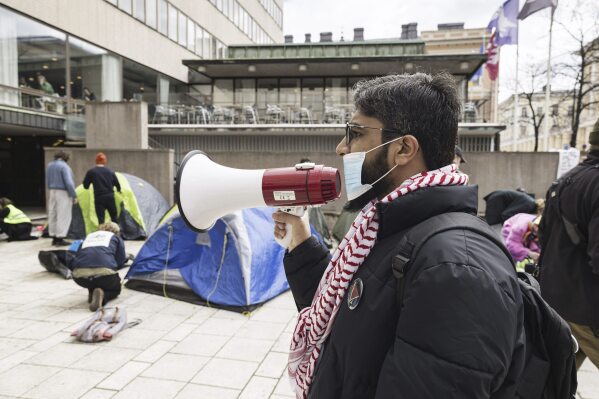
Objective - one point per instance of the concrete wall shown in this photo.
(509, 170)
(116, 125)
(154, 166)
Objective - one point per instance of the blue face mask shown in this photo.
(352, 168)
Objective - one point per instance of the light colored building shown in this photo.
(51, 51)
(453, 38)
(561, 114)
(560, 123)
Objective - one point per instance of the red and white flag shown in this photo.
(492, 63)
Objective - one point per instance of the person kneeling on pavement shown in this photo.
(97, 262)
(13, 222)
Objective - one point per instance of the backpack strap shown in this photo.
(572, 230)
(410, 244)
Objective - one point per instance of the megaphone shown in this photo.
(205, 190)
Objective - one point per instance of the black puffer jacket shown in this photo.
(570, 273)
(460, 334)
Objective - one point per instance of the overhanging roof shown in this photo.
(457, 64)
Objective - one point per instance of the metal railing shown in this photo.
(234, 114)
(237, 114)
(40, 101)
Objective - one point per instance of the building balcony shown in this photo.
(29, 111)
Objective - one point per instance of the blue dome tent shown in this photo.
(236, 265)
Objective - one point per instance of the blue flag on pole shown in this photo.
(505, 22)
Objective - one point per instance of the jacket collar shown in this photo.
(411, 209)
(592, 157)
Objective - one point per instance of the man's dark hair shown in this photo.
(425, 106)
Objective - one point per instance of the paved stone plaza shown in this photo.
(178, 351)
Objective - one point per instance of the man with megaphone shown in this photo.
(374, 321)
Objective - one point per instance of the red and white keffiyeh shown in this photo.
(315, 322)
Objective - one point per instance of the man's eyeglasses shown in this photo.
(350, 134)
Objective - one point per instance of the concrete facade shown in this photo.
(116, 125)
(104, 25)
(154, 166)
(509, 170)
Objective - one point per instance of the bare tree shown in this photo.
(583, 29)
(535, 75)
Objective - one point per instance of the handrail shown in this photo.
(44, 102)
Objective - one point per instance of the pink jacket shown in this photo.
(513, 232)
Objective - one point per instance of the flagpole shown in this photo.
(516, 97)
(548, 86)
(496, 105)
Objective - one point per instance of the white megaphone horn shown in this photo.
(206, 191)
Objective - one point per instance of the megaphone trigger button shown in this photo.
(305, 166)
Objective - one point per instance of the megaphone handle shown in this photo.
(285, 241)
(293, 210)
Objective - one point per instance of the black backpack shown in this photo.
(550, 365)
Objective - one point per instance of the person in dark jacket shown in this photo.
(569, 263)
(503, 204)
(96, 264)
(103, 180)
(14, 222)
(460, 333)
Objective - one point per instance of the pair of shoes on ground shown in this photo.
(95, 299)
(60, 242)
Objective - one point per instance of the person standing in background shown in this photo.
(103, 180)
(61, 197)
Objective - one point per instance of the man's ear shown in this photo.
(404, 150)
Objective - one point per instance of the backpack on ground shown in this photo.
(550, 364)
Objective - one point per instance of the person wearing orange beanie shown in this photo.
(103, 180)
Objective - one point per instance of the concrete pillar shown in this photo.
(116, 125)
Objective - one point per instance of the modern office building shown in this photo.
(54, 55)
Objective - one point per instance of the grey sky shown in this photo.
(383, 19)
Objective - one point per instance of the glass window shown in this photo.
(226, 7)
(199, 37)
(207, 45)
(213, 47)
(289, 94)
(182, 29)
(245, 92)
(313, 97)
(191, 35)
(219, 5)
(115, 2)
(336, 107)
(202, 93)
(267, 99)
(125, 5)
(236, 14)
(139, 82)
(86, 69)
(223, 92)
(33, 56)
(231, 8)
(162, 17)
(151, 13)
(172, 22)
(139, 10)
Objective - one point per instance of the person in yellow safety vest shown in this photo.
(14, 222)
